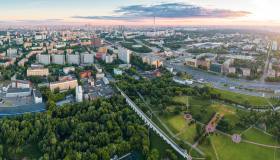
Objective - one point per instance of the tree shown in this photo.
(153, 155)
(170, 154)
(1, 151)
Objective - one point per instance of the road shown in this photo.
(265, 71)
(223, 82)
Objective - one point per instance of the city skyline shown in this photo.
(182, 12)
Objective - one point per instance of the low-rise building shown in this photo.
(231, 70)
(246, 72)
(99, 75)
(18, 92)
(85, 74)
(37, 71)
(21, 84)
(64, 85)
(191, 62)
(117, 71)
(37, 96)
(204, 63)
(271, 73)
(67, 70)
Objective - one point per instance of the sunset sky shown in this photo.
(177, 12)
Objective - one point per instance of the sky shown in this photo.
(142, 12)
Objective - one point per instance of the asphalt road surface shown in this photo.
(219, 81)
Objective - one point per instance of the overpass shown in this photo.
(154, 127)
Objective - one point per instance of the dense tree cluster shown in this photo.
(160, 91)
(91, 130)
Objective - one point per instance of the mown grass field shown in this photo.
(227, 150)
(243, 99)
(181, 127)
(258, 136)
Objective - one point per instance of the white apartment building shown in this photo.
(79, 94)
(124, 55)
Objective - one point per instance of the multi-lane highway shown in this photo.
(226, 83)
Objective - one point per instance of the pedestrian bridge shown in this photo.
(154, 127)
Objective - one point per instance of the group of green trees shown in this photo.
(91, 130)
(160, 91)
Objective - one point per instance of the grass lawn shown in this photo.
(256, 135)
(189, 133)
(176, 123)
(227, 150)
(180, 127)
(228, 112)
(199, 108)
(242, 98)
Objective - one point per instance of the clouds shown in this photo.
(167, 10)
